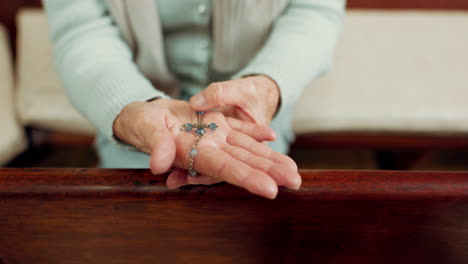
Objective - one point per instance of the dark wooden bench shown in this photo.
(129, 216)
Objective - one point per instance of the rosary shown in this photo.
(199, 129)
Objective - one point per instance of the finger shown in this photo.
(214, 96)
(257, 148)
(163, 151)
(203, 180)
(258, 132)
(217, 163)
(239, 94)
(282, 174)
(176, 179)
(238, 113)
(179, 177)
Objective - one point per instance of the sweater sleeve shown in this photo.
(299, 48)
(94, 62)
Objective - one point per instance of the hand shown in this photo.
(254, 99)
(232, 153)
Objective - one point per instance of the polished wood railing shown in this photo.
(129, 216)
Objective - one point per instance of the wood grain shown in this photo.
(128, 216)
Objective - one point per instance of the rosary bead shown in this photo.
(200, 131)
(193, 153)
(212, 126)
(188, 127)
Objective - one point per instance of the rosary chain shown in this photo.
(194, 146)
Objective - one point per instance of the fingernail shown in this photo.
(198, 100)
(273, 134)
(270, 191)
(296, 183)
(170, 185)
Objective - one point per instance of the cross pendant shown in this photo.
(199, 127)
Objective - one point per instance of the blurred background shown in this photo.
(396, 97)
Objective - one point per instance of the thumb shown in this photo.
(219, 94)
(237, 93)
(163, 151)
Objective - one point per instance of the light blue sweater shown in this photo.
(301, 45)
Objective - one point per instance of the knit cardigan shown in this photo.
(110, 53)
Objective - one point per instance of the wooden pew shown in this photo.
(129, 216)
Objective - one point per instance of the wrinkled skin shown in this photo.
(233, 153)
(253, 99)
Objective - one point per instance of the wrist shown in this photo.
(119, 126)
(272, 91)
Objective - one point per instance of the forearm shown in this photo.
(94, 62)
(300, 47)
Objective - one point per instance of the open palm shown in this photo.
(232, 153)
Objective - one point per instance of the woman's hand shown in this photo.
(232, 153)
(254, 99)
